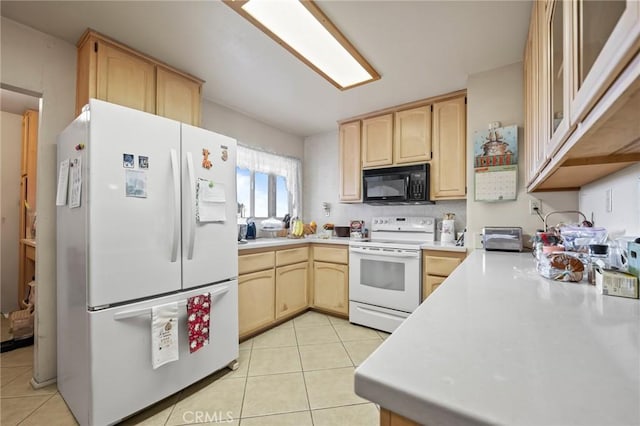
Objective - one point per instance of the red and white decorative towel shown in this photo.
(198, 312)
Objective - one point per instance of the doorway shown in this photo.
(20, 111)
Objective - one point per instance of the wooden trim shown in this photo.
(408, 105)
(327, 24)
(90, 33)
(605, 159)
(389, 418)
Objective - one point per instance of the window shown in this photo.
(268, 184)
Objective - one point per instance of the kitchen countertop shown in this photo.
(279, 242)
(438, 245)
(498, 344)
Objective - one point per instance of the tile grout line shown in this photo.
(37, 408)
(304, 379)
(14, 379)
(246, 382)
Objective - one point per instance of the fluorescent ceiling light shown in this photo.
(302, 28)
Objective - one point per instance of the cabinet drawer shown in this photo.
(331, 254)
(255, 262)
(440, 265)
(296, 255)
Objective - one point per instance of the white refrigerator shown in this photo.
(135, 230)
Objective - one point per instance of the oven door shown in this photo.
(384, 277)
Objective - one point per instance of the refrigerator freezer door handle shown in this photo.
(175, 168)
(147, 311)
(192, 203)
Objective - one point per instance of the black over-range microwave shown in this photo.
(397, 185)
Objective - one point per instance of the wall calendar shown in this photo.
(495, 163)
(497, 183)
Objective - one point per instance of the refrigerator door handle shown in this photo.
(147, 311)
(192, 215)
(175, 168)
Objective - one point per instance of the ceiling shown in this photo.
(421, 49)
(17, 103)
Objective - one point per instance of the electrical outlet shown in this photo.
(535, 206)
(609, 201)
(477, 243)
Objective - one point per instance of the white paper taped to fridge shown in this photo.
(211, 202)
(63, 183)
(76, 182)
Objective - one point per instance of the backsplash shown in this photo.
(321, 182)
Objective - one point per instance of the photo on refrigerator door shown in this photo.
(136, 184)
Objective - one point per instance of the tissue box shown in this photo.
(616, 283)
(634, 258)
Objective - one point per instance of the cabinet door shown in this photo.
(448, 167)
(377, 141)
(291, 289)
(429, 284)
(331, 287)
(256, 301)
(412, 141)
(125, 79)
(177, 97)
(557, 51)
(605, 38)
(350, 166)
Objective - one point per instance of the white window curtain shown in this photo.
(264, 162)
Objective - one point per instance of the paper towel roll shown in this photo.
(448, 233)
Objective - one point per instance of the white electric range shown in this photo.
(385, 273)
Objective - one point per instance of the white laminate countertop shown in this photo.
(438, 245)
(499, 344)
(281, 242)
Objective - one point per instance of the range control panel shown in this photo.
(404, 224)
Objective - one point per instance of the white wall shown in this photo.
(250, 132)
(625, 201)
(321, 184)
(10, 157)
(497, 95)
(43, 64)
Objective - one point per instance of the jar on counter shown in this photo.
(598, 258)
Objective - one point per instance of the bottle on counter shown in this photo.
(598, 258)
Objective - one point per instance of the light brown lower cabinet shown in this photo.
(331, 287)
(389, 418)
(436, 267)
(292, 282)
(256, 301)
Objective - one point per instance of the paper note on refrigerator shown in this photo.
(63, 183)
(76, 182)
(210, 201)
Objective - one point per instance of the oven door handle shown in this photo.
(411, 254)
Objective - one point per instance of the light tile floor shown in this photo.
(299, 373)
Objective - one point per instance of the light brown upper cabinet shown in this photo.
(582, 81)
(605, 36)
(377, 141)
(113, 72)
(177, 97)
(448, 167)
(412, 139)
(350, 166)
(557, 54)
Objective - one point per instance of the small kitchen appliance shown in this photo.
(502, 238)
(385, 273)
(396, 185)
